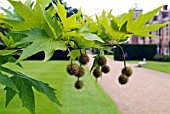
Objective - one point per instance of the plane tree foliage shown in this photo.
(33, 28)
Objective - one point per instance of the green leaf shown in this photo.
(12, 59)
(95, 62)
(61, 12)
(7, 70)
(3, 59)
(27, 14)
(92, 37)
(9, 14)
(40, 42)
(148, 28)
(83, 43)
(98, 20)
(24, 85)
(1, 16)
(114, 25)
(52, 11)
(41, 87)
(128, 27)
(6, 52)
(139, 27)
(8, 58)
(72, 34)
(44, 3)
(57, 26)
(26, 93)
(115, 19)
(126, 18)
(74, 54)
(93, 27)
(38, 14)
(124, 27)
(116, 35)
(51, 24)
(5, 80)
(16, 38)
(31, 18)
(72, 44)
(17, 25)
(29, 3)
(10, 94)
(70, 22)
(142, 20)
(46, 45)
(8, 41)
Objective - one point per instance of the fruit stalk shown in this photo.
(77, 46)
(70, 55)
(124, 58)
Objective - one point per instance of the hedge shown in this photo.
(135, 52)
(58, 55)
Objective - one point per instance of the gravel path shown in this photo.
(148, 91)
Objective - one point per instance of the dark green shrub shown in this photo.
(159, 57)
(136, 52)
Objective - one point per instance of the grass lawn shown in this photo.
(90, 100)
(160, 66)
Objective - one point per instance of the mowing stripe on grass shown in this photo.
(90, 100)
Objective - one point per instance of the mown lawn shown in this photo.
(160, 66)
(90, 100)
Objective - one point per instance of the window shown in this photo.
(157, 32)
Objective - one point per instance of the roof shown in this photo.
(137, 7)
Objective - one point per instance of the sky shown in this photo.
(91, 7)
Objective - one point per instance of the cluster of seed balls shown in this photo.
(102, 67)
(126, 73)
(78, 71)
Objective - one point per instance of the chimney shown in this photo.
(165, 7)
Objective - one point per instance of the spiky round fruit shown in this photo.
(102, 61)
(81, 72)
(83, 59)
(127, 71)
(97, 72)
(72, 69)
(123, 79)
(79, 84)
(105, 69)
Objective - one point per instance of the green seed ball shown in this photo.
(72, 69)
(123, 79)
(97, 72)
(102, 61)
(127, 71)
(81, 72)
(83, 59)
(105, 69)
(79, 84)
